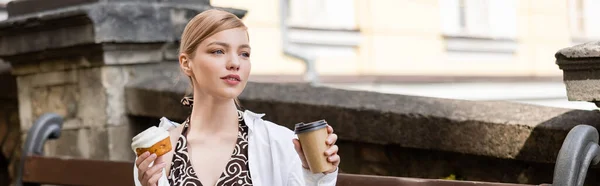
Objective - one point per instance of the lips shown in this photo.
(231, 77)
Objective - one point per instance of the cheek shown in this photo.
(204, 69)
(246, 69)
(211, 64)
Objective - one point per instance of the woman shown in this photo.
(215, 55)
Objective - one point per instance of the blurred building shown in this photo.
(508, 38)
(463, 49)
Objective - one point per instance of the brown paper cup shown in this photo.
(312, 138)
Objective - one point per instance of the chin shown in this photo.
(229, 93)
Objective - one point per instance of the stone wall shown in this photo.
(80, 96)
(400, 135)
(74, 58)
(91, 100)
(394, 160)
(497, 129)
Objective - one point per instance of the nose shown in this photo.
(233, 63)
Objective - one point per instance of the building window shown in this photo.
(484, 26)
(475, 17)
(584, 19)
(322, 14)
(323, 28)
(577, 23)
(462, 8)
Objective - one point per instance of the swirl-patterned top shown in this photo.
(237, 172)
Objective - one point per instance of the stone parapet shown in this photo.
(103, 32)
(581, 71)
(497, 129)
(22, 7)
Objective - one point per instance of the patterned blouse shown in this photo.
(236, 172)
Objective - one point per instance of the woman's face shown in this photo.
(221, 64)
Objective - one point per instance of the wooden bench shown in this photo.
(59, 171)
(37, 169)
(62, 171)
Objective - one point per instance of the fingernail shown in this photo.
(153, 155)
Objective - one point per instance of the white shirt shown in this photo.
(273, 159)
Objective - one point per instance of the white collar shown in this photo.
(250, 118)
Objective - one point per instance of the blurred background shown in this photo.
(90, 65)
(460, 49)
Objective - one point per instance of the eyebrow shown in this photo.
(227, 45)
(245, 46)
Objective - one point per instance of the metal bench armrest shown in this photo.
(579, 150)
(48, 126)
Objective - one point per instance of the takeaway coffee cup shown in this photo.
(312, 138)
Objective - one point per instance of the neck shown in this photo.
(212, 115)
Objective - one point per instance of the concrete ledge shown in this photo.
(581, 71)
(99, 22)
(494, 129)
(586, 50)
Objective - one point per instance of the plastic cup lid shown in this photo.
(307, 127)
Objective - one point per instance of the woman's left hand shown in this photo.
(331, 152)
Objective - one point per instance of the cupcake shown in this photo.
(154, 140)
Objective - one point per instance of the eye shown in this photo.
(218, 52)
(245, 54)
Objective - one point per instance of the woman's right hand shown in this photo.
(149, 175)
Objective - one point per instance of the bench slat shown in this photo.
(82, 172)
(60, 171)
(360, 180)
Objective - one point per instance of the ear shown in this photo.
(185, 64)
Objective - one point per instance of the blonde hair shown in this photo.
(204, 25)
